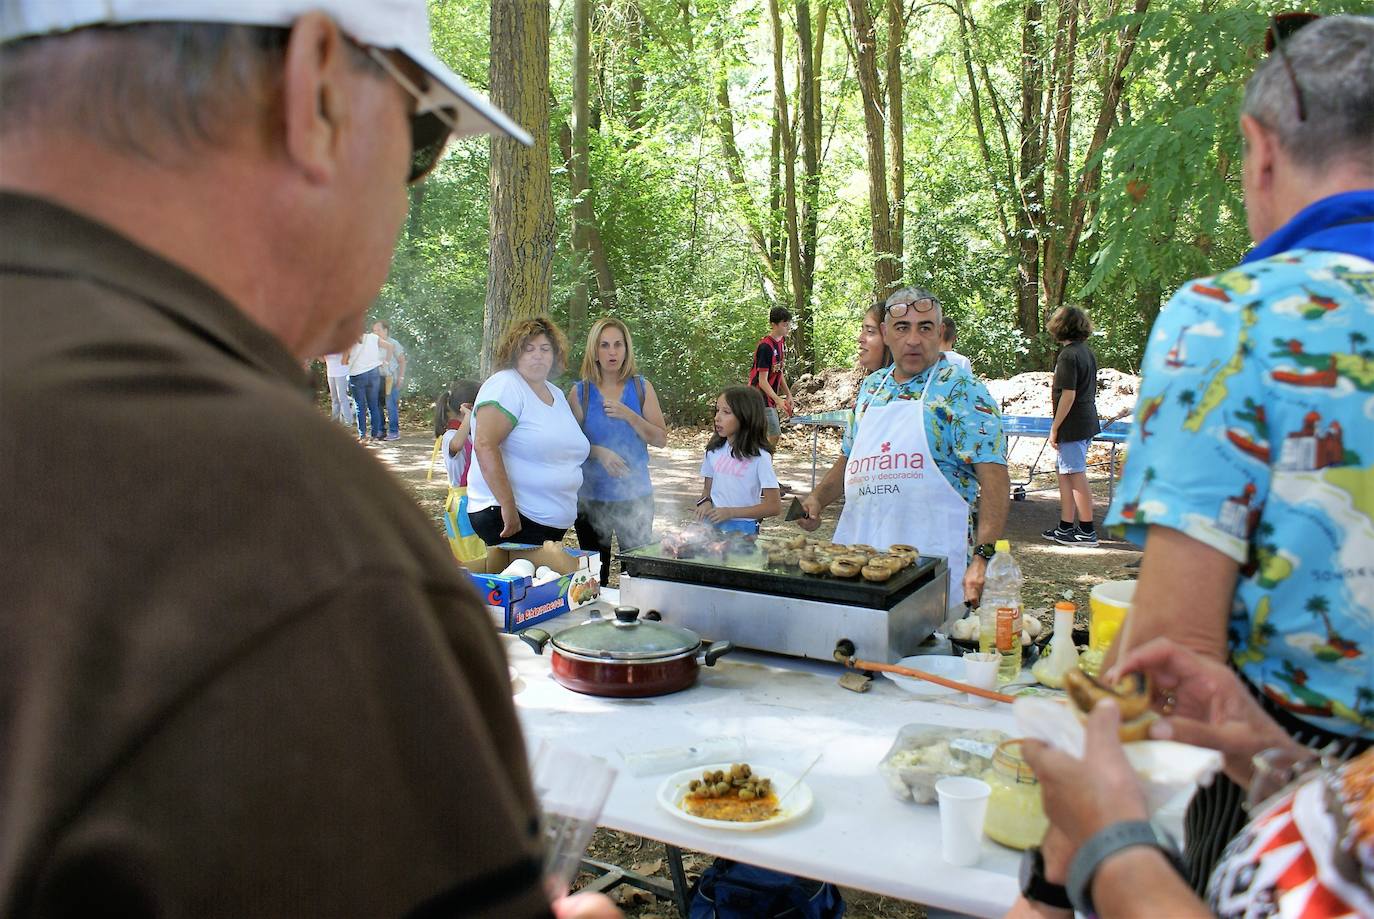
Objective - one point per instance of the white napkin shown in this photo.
(1165, 767)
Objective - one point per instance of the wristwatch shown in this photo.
(1107, 842)
(985, 550)
(1035, 887)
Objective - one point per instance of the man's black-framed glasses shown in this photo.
(898, 310)
(431, 124)
(1282, 27)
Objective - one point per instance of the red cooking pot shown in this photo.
(626, 656)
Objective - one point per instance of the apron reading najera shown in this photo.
(894, 492)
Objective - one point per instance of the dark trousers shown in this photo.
(367, 388)
(487, 524)
(630, 522)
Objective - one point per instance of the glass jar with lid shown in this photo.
(1016, 815)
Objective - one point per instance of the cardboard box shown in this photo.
(517, 602)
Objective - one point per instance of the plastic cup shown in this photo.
(1108, 604)
(963, 807)
(980, 669)
(571, 788)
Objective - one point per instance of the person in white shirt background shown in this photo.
(365, 361)
(393, 379)
(340, 405)
(528, 447)
(949, 334)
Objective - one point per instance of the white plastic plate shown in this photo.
(796, 803)
(951, 668)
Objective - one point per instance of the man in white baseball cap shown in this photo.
(239, 672)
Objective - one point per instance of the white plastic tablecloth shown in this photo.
(858, 833)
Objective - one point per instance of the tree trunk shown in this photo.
(634, 81)
(1148, 295)
(1031, 176)
(589, 254)
(975, 101)
(886, 268)
(578, 168)
(777, 239)
(1092, 174)
(800, 308)
(808, 91)
(1065, 53)
(520, 259)
(734, 171)
(896, 138)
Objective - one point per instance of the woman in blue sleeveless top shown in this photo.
(620, 414)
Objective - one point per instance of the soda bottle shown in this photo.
(1002, 591)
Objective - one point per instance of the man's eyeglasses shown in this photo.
(431, 123)
(898, 310)
(1281, 28)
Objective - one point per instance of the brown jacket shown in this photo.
(240, 674)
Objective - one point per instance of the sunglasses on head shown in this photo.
(1282, 27)
(898, 310)
(431, 124)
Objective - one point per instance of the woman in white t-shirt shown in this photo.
(365, 361)
(528, 447)
(738, 486)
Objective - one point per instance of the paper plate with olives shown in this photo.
(735, 796)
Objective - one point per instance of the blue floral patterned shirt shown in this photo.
(963, 424)
(1254, 434)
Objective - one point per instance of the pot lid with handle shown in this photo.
(627, 637)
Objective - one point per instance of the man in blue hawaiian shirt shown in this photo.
(916, 418)
(1250, 478)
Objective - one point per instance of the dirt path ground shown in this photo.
(1052, 571)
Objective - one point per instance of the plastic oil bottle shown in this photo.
(999, 613)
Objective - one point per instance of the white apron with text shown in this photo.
(894, 492)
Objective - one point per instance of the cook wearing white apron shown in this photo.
(894, 492)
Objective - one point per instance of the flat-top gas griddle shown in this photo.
(734, 594)
(749, 571)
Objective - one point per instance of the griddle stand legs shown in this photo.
(611, 876)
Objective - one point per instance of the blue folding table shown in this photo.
(1019, 426)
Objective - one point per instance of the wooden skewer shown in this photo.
(799, 778)
(930, 678)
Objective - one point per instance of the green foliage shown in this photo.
(434, 295)
(1168, 206)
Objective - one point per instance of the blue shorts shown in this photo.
(1073, 456)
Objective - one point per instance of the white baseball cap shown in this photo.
(395, 25)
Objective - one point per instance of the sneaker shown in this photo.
(1055, 534)
(1078, 538)
(393, 437)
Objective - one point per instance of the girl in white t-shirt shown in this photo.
(739, 487)
(453, 427)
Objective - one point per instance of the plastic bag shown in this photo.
(924, 753)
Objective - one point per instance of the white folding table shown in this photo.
(858, 833)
